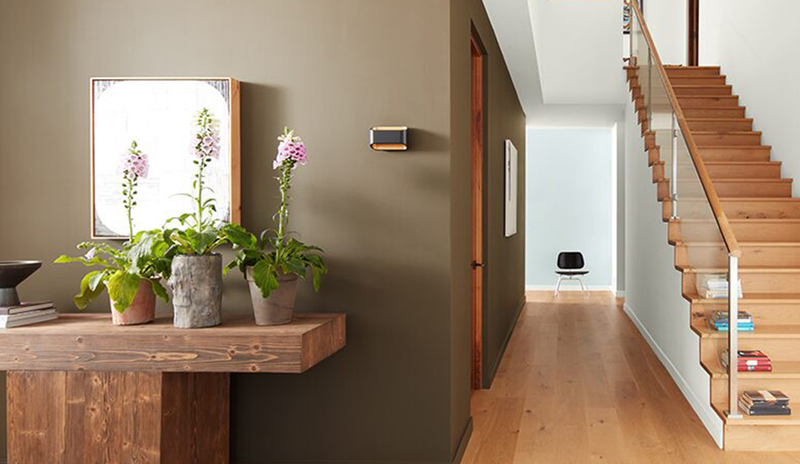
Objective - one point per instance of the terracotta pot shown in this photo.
(278, 308)
(196, 284)
(142, 309)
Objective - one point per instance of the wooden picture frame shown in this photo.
(159, 113)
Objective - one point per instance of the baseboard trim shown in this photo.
(568, 288)
(487, 380)
(620, 293)
(710, 420)
(462, 444)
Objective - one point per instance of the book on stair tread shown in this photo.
(27, 318)
(25, 307)
(765, 403)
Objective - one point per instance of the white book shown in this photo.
(17, 320)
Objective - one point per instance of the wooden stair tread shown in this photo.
(704, 132)
(718, 119)
(739, 163)
(743, 269)
(755, 298)
(786, 331)
(741, 243)
(743, 220)
(746, 420)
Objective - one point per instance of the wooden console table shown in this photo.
(81, 391)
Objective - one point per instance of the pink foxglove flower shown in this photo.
(290, 149)
(206, 140)
(135, 164)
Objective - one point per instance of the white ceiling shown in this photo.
(562, 52)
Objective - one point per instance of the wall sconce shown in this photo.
(388, 138)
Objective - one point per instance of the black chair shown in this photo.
(570, 267)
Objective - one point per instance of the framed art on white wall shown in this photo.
(511, 175)
(158, 114)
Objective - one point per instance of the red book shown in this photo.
(755, 368)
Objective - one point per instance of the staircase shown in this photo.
(766, 222)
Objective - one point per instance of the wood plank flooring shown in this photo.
(578, 384)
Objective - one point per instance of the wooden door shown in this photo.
(693, 58)
(478, 136)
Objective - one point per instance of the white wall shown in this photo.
(668, 22)
(754, 42)
(579, 50)
(570, 200)
(653, 287)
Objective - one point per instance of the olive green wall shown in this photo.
(392, 225)
(504, 285)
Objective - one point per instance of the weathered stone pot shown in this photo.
(196, 284)
(142, 309)
(278, 308)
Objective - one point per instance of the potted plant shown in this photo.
(131, 274)
(273, 264)
(196, 271)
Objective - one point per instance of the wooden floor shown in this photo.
(578, 384)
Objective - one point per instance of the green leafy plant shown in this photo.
(199, 232)
(144, 256)
(274, 253)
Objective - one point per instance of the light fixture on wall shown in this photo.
(389, 138)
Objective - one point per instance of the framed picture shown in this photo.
(511, 163)
(627, 17)
(160, 115)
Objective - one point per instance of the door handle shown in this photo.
(475, 265)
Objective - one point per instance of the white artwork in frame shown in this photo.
(160, 114)
(511, 175)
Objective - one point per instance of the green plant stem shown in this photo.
(129, 207)
(283, 213)
(200, 225)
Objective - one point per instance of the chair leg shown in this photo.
(580, 279)
(558, 285)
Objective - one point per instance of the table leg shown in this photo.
(109, 417)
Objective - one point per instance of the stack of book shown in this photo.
(749, 361)
(719, 320)
(715, 286)
(765, 403)
(26, 314)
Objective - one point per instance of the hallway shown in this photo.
(578, 384)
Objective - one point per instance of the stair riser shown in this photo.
(778, 349)
(680, 72)
(704, 91)
(705, 256)
(757, 283)
(738, 171)
(693, 189)
(753, 189)
(759, 209)
(715, 102)
(744, 231)
(762, 437)
(719, 387)
(727, 139)
(732, 125)
(696, 80)
(768, 314)
(731, 113)
(735, 154)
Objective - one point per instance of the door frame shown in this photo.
(478, 130)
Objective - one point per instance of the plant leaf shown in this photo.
(86, 295)
(159, 290)
(122, 288)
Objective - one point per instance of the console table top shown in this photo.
(90, 342)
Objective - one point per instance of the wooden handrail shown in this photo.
(705, 180)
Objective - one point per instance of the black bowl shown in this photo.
(13, 273)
